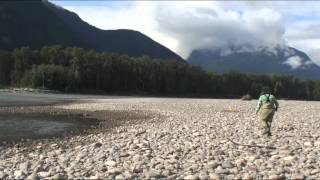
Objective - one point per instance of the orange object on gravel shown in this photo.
(231, 110)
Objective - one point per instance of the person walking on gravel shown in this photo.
(267, 106)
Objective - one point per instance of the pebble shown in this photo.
(227, 165)
(97, 145)
(18, 174)
(275, 177)
(308, 144)
(191, 177)
(175, 138)
(247, 176)
(314, 171)
(289, 158)
(154, 173)
(2, 175)
(213, 164)
(214, 176)
(44, 174)
(32, 176)
(59, 176)
(317, 143)
(111, 163)
(120, 176)
(298, 177)
(203, 176)
(222, 171)
(94, 177)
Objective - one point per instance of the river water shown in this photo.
(30, 99)
(14, 127)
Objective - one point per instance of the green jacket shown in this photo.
(263, 99)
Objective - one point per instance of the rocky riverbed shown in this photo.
(175, 139)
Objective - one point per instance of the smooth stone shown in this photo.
(308, 143)
(284, 147)
(275, 177)
(160, 166)
(213, 164)
(59, 176)
(127, 175)
(115, 170)
(124, 155)
(317, 143)
(222, 171)
(120, 176)
(166, 173)
(214, 176)
(44, 174)
(191, 177)
(306, 172)
(18, 174)
(227, 165)
(194, 167)
(24, 167)
(274, 157)
(33, 176)
(251, 158)
(137, 170)
(247, 176)
(97, 145)
(315, 171)
(240, 162)
(2, 175)
(289, 158)
(111, 163)
(136, 158)
(54, 145)
(154, 173)
(298, 177)
(203, 176)
(231, 176)
(94, 177)
(219, 153)
(285, 152)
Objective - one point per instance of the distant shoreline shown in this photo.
(33, 90)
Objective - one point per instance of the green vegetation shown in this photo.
(77, 69)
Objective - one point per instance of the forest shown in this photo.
(77, 70)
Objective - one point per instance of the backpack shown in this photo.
(268, 104)
(268, 98)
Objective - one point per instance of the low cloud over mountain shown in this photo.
(187, 26)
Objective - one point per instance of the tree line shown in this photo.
(72, 69)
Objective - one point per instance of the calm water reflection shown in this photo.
(15, 127)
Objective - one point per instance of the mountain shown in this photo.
(284, 61)
(41, 23)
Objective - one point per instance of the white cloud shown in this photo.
(303, 30)
(183, 26)
(310, 46)
(215, 28)
(294, 61)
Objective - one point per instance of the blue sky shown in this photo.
(184, 26)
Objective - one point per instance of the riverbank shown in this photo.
(177, 138)
(101, 121)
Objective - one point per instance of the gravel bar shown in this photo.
(175, 138)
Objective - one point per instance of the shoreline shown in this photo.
(107, 120)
